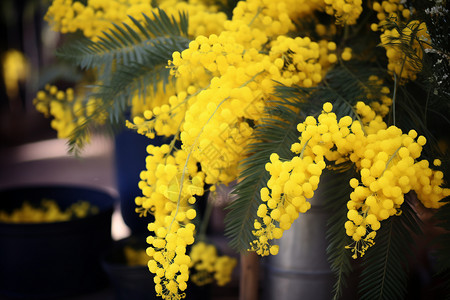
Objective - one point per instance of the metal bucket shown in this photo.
(301, 269)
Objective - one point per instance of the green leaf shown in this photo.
(276, 136)
(123, 44)
(336, 192)
(385, 264)
(126, 83)
(129, 62)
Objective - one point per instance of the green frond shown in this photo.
(347, 84)
(385, 265)
(129, 61)
(128, 81)
(148, 43)
(442, 243)
(418, 108)
(82, 134)
(275, 136)
(336, 192)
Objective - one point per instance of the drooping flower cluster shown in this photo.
(169, 186)
(169, 262)
(386, 159)
(207, 266)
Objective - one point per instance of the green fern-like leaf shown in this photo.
(122, 45)
(442, 243)
(336, 192)
(127, 82)
(385, 264)
(275, 136)
(128, 62)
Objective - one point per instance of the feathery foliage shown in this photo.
(274, 134)
(386, 264)
(442, 243)
(336, 192)
(128, 61)
(150, 42)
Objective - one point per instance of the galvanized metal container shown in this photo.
(301, 270)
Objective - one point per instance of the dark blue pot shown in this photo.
(130, 154)
(59, 259)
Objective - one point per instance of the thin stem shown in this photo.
(395, 86)
(394, 97)
(390, 159)
(206, 217)
(256, 15)
(304, 147)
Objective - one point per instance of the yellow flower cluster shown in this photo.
(99, 15)
(346, 12)
(47, 211)
(228, 79)
(414, 36)
(387, 161)
(96, 16)
(203, 19)
(206, 265)
(255, 22)
(167, 173)
(389, 168)
(169, 262)
(223, 83)
(294, 181)
(298, 60)
(389, 9)
(154, 114)
(68, 110)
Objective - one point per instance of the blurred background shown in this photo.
(27, 53)
(30, 153)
